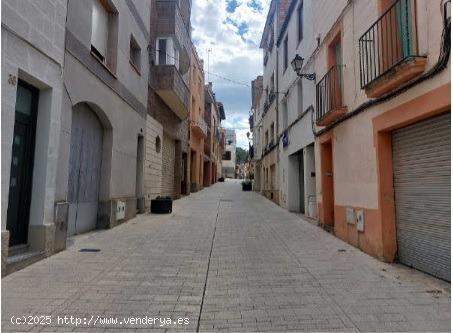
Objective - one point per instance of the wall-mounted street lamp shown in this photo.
(297, 64)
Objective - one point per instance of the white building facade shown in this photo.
(229, 156)
(296, 98)
(33, 34)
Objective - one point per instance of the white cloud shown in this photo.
(234, 56)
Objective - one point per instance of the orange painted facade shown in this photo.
(434, 102)
(354, 156)
(379, 236)
(198, 127)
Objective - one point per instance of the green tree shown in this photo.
(241, 155)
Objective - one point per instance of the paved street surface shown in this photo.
(225, 260)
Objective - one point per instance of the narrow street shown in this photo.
(226, 260)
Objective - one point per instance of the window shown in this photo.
(285, 115)
(285, 54)
(266, 138)
(157, 144)
(227, 156)
(135, 54)
(99, 30)
(167, 52)
(272, 83)
(271, 134)
(104, 33)
(300, 17)
(162, 51)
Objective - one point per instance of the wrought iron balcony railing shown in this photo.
(389, 41)
(329, 92)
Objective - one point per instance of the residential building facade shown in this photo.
(383, 129)
(169, 99)
(214, 113)
(268, 128)
(373, 91)
(229, 156)
(102, 141)
(297, 176)
(79, 95)
(255, 121)
(198, 127)
(32, 91)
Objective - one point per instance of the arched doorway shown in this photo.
(84, 169)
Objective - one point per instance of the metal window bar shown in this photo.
(329, 92)
(388, 42)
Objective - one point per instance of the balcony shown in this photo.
(268, 102)
(168, 21)
(167, 82)
(200, 127)
(388, 51)
(329, 97)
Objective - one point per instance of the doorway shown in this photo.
(184, 170)
(193, 171)
(22, 157)
(300, 157)
(139, 174)
(84, 170)
(327, 177)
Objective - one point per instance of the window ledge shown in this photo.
(103, 65)
(397, 76)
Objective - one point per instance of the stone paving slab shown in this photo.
(227, 261)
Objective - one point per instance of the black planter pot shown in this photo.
(221, 179)
(246, 186)
(161, 206)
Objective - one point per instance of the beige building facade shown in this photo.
(373, 90)
(376, 186)
(80, 86)
(32, 91)
(268, 115)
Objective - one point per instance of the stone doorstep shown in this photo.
(21, 260)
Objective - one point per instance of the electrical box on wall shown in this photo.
(350, 216)
(120, 210)
(360, 217)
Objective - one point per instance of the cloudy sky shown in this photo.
(232, 30)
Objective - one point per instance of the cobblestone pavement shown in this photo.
(226, 260)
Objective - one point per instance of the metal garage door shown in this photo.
(84, 170)
(421, 166)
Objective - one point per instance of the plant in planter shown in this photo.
(247, 185)
(161, 205)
